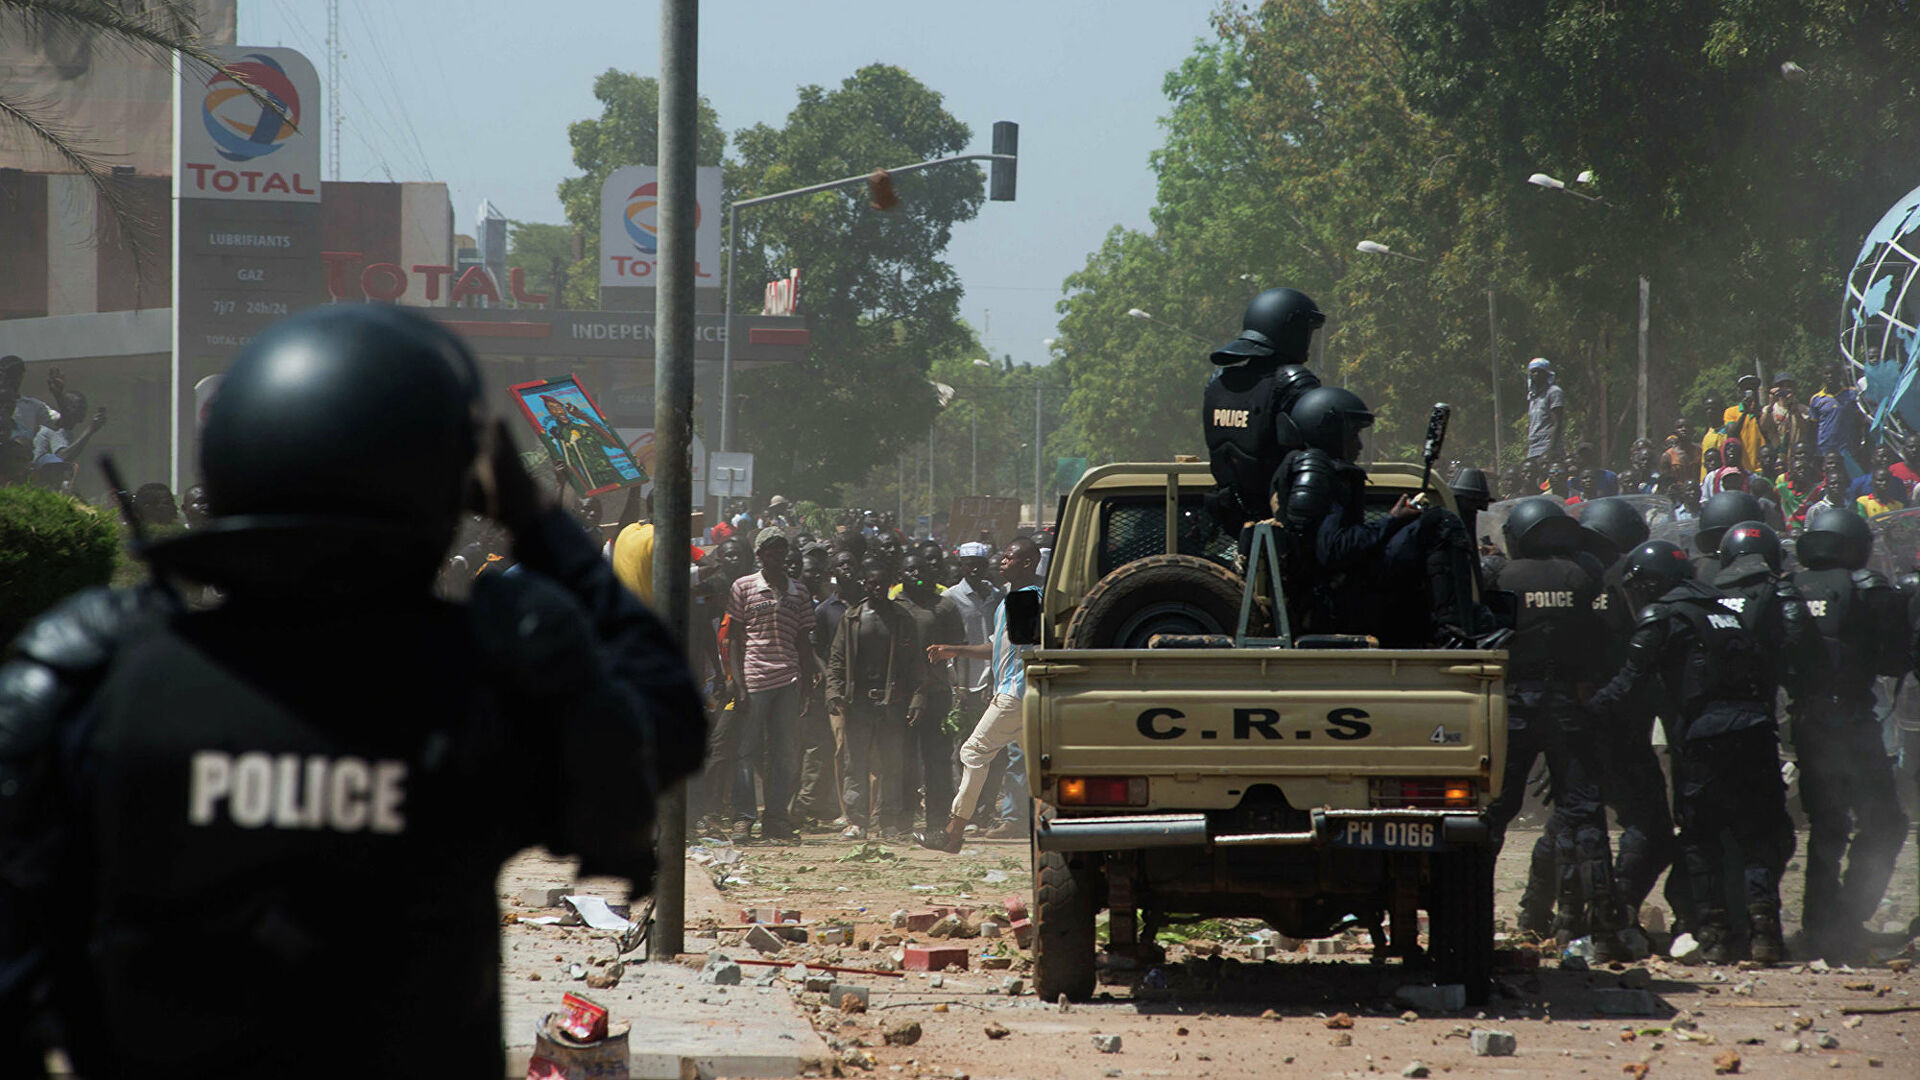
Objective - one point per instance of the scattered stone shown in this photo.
(1022, 931)
(764, 940)
(1269, 1015)
(936, 981)
(1726, 1064)
(1874, 1063)
(1818, 966)
(887, 939)
(1063, 1004)
(533, 977)
(1012, 986)
(841, 994)
(935, 957)
(720, 970)
(607, 978)
(850, 1003)
(996, 962)
(857, 1058)
(1865, 986)
(997, 1030)
(1684, 949)
(1490, 1043)
(1447, 997)
(1415, 1069)
(536, 897)
(1653, 920)
(945, 926)
(837, 935)
(1107, 1044)
(1409, 1016)
(1853, 1021)
(1340, 1022)
(940, 1008)
(819, 984)
(902, 1032)
(1574, 963)
(1341, 1038)
(1636, 978)
(1826, 1041)
(1635, 1069)
(1900, 965)
(1792, 1046)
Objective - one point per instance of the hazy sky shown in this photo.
(479, 96)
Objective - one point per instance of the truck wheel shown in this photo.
(1460, 917)
(1160, 594)
(1063, 911)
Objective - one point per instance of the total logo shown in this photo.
(643, 217)
(241, 126)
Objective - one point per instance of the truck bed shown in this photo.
(1204, 726)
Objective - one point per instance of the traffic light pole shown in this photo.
(1005, 156)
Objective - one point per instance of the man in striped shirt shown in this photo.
(768, 656)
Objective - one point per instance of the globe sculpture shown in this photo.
(1879, 316)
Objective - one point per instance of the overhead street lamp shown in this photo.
(1586, 177)
(1136, 313)
(1374, 247)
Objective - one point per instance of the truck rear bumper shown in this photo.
(1134, 832)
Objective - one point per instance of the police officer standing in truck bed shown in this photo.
(1244, 410)
(195, 807)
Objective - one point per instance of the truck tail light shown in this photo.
(1103, 791)
(1423, 793)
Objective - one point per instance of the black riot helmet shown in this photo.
(1835, 538)
(1654, 567)
(339, 443)
(1326, 415)
(1278, 324)
(1538, 528)
(1615, 524)
(1471, 492)
(1751, 538)
(1723, 512)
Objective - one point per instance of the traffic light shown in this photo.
(1000, 179)
(880, 193)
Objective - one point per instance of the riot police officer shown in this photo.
(1719, 720)
(1846, 780)
(190, 801)
(1550, 666)
(1244, 410)
(1354, 574)
(1634, 787)
(1717, 515)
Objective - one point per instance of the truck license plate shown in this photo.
(1389, 835)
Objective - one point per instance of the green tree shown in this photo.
(883, 303)
(535, 247)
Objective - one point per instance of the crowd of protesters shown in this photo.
(47, 435)
(1798, 453)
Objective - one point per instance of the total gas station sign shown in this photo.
(630, 227)
(235, 146)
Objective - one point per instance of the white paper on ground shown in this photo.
(595, 913)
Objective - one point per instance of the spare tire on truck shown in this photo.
(1160, 594)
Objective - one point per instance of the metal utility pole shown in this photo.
(333, 89)
(973, 480)
(1493, 371)
(1037, 519)
(673, 416)
(1645, 286)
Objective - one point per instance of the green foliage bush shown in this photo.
(51, 546)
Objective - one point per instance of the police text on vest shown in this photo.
(287, 791)
(1546, 598)
(1230, 417)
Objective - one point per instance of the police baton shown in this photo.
(1436, 438)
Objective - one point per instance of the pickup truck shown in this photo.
(1300, 785)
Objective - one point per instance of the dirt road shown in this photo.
(1213, 1011)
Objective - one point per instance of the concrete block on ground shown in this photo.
(837, 935)
(720, 970)
(1448, 997)
(1107, 1044)
(788, 932)
(1326, 947)
(842, 991)
(934, 957)
(1022, 932)
(764, 940)
(819, 984)
(536, 897)
(1489, 1043)
(1016, 907)
(1626, 1003)
(996, 962)
(919, 922)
